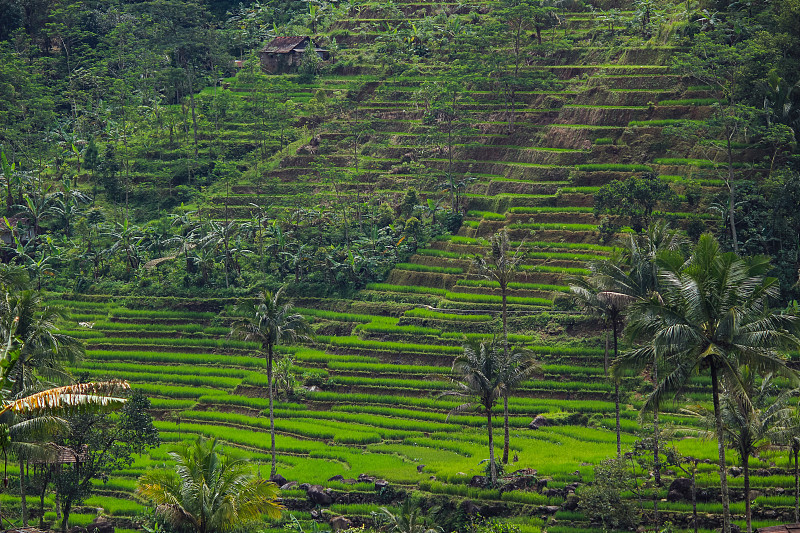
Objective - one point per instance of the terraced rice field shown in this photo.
(382, 359)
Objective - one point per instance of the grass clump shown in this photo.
(356, 342)
(690, 101)
(490, 298)
(387, 287)
(486, 215)
(603, 140)
(554, 226)
(414, 267)
(426, 313)
(430, 252)
(614, 167)
(333, 315)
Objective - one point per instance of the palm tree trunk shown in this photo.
(723, 474)
(616, 409)
(694, 495)
(23, 501)
(271, 409)
(746, 468)
(656, 461)
(492, 466)
(732, 194)
(505, 424)
(796, 451)
(504, 288)
(616, 390)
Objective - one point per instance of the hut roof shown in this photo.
(61, 455)
(284, 45)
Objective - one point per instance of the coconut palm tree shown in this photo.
(750, 422)
(640, 255)
(592, 296)
(270, 322)
(711, 314)
(209, 492)
(42, 351)
(478, 378)
(407, 519)
(500, 266)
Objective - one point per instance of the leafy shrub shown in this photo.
(315, 377)
(603, 502)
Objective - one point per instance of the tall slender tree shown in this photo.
(500, 265)
(270, 322)
(478, 378)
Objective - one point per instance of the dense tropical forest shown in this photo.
(501, 266)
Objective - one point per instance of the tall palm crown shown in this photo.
(41, 348)
(209, 492)
(711, 314)
(270, 323)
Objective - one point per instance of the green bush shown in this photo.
(316, 377)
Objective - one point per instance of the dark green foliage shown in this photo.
(110, 441)
(603, 501)
(635, 198)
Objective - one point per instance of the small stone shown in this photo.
(339, 523)
(278, 480)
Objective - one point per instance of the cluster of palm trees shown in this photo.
(685, 311)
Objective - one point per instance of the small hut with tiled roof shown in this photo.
(285, 53)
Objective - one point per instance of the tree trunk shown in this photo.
(731, 195)
(271, 409)
(505, 394)
(694, 495)
(194, 119)
(746, 469)
(796, 451)
(616, 390)
(723, 473)
(23, 504)
(492, 466)
(656, 460)
(616, 413)
(505, 428)
(65, 517)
